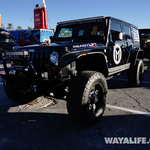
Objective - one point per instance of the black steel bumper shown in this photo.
(32, 83)
(37, 86)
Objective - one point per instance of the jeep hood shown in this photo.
(59, 47)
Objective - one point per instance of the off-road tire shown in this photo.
(135, 74)
(15, 95)
(87, 87)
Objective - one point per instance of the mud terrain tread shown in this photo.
(76, 94)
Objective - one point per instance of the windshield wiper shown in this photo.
(62, 40)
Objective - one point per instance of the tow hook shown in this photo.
(34, 88)
(12, 72)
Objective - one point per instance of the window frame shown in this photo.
(127, 35)
(137, 32)
(112, 21)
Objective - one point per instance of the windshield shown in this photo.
(81, 32)
(7, 40)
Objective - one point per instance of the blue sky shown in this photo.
(20, 12)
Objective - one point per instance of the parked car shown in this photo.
(7, 42)
(145, 41)
(84, 53)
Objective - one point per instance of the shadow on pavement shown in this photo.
(122, 82)
(44, 131)
(55, 131)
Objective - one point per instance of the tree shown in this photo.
(29, 28)
(19, 28)
(10, 26)
(2, 26)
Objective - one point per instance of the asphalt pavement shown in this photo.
(44, 124)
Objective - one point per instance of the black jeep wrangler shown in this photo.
(84, 53)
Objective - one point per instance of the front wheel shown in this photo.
(87, 97)
(18, 96)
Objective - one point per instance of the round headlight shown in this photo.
(54, 57)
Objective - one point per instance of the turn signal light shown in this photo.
(84, 54)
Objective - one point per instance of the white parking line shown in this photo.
(127, 80)
(128, 110)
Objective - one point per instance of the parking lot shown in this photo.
(45, 124)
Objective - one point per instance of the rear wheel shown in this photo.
(135, 74)
(17, 95)
(87, 97)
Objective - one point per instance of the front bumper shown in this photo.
(28, 74)
(37, 86)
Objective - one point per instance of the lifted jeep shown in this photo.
(84, 53)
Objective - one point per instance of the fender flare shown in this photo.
(138, 54)
(70, 57)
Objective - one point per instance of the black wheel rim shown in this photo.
(96, 103)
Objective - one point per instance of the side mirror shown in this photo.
(117, 36)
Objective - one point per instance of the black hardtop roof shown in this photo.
(120, 20)
(84, 19)
(144, 30)
(93, 18)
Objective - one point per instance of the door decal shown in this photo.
(117, 54)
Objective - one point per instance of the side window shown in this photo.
(127, 31)
(115, 27)
(135, 34)
(81, 32)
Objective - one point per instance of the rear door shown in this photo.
(118, 52)
(128, 36)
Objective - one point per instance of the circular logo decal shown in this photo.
(117, 54)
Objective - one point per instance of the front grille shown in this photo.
(37, 60)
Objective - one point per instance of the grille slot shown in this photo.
(37, 60)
